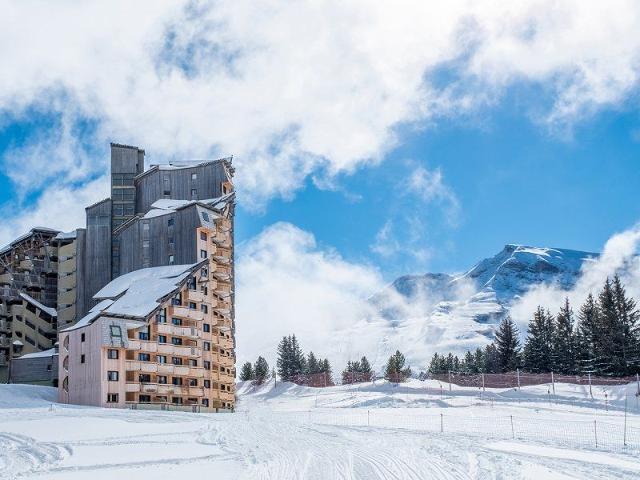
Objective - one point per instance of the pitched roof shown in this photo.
(49, 310)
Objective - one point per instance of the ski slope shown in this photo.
(419, 430)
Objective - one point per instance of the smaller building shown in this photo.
(38, 368)
(154, 340)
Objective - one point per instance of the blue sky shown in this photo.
(405, 140)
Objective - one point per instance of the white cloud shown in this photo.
(429, 186)
(619, 256)
(290, 284)
(299, 88)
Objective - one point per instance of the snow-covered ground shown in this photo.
(418, 430)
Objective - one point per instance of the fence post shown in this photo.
(368, 418)
(595, 432)
(518, 374)
(513, 433)
(553, 384)
(441, 423)
(590, 392)
(449, 380)
(482, 382)
(638, 383)
(625, 419)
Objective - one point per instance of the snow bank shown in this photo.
(26, 396)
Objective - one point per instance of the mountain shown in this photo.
(421, 314)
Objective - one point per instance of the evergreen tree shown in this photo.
(313, 366)
(365, 369)
(469, 363)
(491, 359)
(508, 345)
(434, 366)
(261, 370)
(610, 355)
(325, 367)
(563, 341)
(479, 361)
(538, 346)
(396, 371)
(298, 361)
(284, 362)
(630, 335)
(246, 373)
(588, 336)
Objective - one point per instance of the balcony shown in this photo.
(4, 342)
(143, 346)
(26, 265)
(148, 387)
(185, 312)
(5, 278)
(195, 296)
(132, 387)
(174, 330)
(4, 326)
(196, 391)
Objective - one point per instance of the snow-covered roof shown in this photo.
(67, 235)
(50, 310)
(165, 206)
(91, 316)
(46, 353)
(137, 294)
(24, 236)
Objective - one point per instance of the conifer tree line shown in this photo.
(602, 338)
(357, 371)
(294, 366)
(258, 372)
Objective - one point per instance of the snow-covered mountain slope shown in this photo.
(422, 314)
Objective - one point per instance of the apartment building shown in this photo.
(159, 337)
(28, 295)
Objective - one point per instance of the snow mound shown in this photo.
(26, 396)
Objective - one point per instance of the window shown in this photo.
(177, 300)
(176, 380)
(171, 222)
(193, 362)
(167, 185)
(207, 364)
(205, 216)
(176, 360)
(161, 316)
(82, 337)
(204, 273)
(207, 384)
(171, 259)
(194, 176)
(176, 400)
(144, 378)
(203, 236)
(112, 398)
(161, 358)
(206, 327)
(203, 254)
(115, 331)
(29, 324)
(205, 402)
(206, 346)
(49, 368)
(176, 341)
(112, 354)
(162, 379)
(204, 308)
(193, 382)
(193, 306)
(144, 357)
(194, 194)
(143, 335)
(144, 398)
(112, 376)
(82, 358)
(176, 321)
(162, 339)
(191, 284)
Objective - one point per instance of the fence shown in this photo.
(520, 379)
(598, 434)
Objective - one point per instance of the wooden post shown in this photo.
(441, 423)
(518, 374)
(625, 419)
(590, 392)
(595, 432)
(483, 382)
(513, 433)
(368, 422)
(553, 384)
(449, 380)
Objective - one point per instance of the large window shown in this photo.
(112, 354)
(162, 379)
(176, 340)
(112, 376)
(161, 358)
(144, 357)
(112, 398)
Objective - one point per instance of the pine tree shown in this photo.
(538, 347)
(246, 373)
(365, 369)
(491, 359)
(284, 362)
(609, 360)
(434, 366)
(563, 342)
(508, 345)
(261, 370)
(469, 363)
(396, 371)
(588, 336)
(313, 366)
(628, 321)
(298, 361)
(479, 361)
